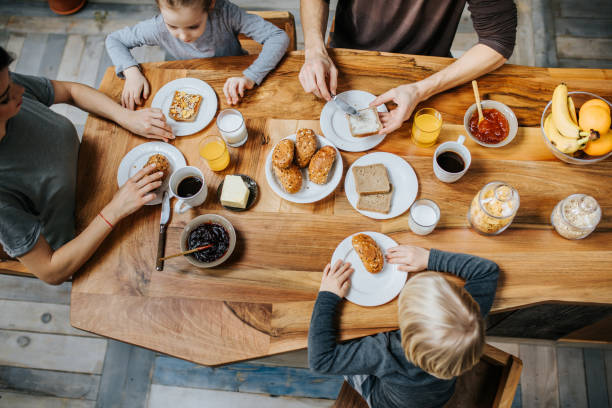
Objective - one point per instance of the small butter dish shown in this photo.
(253, 193)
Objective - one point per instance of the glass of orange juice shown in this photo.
(426, 127)
(214, 150)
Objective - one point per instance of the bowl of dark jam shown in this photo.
(213, 231)
(498, 128)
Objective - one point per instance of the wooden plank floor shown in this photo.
(44, 362)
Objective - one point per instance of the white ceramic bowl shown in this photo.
(203, 219)
(505, 110)
(579, 157)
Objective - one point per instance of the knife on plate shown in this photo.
(344, 106)
(163, 225)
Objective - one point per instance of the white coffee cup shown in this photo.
(186, 203)
(458, 148)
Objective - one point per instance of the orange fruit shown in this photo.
(594, 117)
(596, 102)
(600, 146)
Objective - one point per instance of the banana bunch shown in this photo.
(561, 127)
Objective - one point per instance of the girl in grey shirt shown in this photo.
(189, 29)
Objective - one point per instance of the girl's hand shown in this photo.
(234, 88)
(135, 90)
(410, 258)
(135, 193)
(336, 279)
(148, 122)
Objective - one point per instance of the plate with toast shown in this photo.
(381, 185)
(356, 133)
(303, 167)
(375, 281)
(189, 105)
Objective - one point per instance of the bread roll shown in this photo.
(282, 156)
(320, 164)
(161, 164)
(290, 178)
(369, 253)
(305, 146)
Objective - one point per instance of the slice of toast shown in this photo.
(371, 179)
(185, 106)
(376, 202)
(365, 123)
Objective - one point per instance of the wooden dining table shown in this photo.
(260, 301)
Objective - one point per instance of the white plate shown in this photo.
(371, 289)
(335, 126)
(208, 107)
(136, 158)
(401, 175)
(310, 192)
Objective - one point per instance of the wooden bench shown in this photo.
(491, 383)
(282, 19)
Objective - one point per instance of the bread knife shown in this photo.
(344, 106)
(163, 226)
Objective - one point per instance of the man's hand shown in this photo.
(409, 258)
(317, 69)
(149, 122)
(336, 279)
(406, 97)
(234, 88)
(135, 90)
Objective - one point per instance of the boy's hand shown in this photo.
(336, 279)
(234, 88)
(148, 122)
(136, 88)
(410, 258)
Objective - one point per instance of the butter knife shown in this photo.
(344, 106)
(163, 225)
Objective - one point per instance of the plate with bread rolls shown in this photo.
(189, 105)
(356, 133)
(374, 282)
(381, 185)
(304, 167)
(166, 158)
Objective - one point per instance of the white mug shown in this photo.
(186, 203)
(461, 150)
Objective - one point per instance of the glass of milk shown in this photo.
(232, 127)
(424, 216)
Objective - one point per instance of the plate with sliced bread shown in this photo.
(375, 281)
(381, 185)
(189, 105)
(356, 133)
(303, 167)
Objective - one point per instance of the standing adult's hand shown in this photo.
(148, 122)
(317, 70)
(406, 97)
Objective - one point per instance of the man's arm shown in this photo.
(477, 61)
(318, 67)
(150, 123)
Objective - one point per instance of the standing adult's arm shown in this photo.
(318, 74)
(495, 23)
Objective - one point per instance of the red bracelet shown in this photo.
(105, 220)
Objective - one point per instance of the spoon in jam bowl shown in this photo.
(481, 117)
(186, 252)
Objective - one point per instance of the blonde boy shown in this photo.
(441, 331)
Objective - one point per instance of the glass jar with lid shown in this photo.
(493, 208)
(576, 216)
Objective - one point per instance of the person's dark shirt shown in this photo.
(421, 27)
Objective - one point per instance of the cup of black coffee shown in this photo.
(451, 160)
(187, 184)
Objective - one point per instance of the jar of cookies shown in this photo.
(576, 216)
(493, 208)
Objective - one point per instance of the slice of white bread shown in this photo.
(376, 202)
(371, 179)
(365, 123)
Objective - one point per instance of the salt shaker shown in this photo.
(576, 216)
